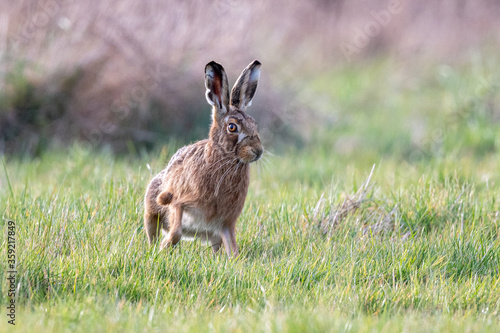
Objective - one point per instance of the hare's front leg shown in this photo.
(175, 233)
(228, 235)
(215, 242)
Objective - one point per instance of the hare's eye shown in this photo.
(232, 128)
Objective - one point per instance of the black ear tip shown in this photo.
(214, 65)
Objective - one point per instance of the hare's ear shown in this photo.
(245, 87)
(217, 88)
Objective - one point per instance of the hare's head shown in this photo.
(232, 129)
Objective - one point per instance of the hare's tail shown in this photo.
(165, 198)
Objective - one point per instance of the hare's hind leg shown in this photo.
(154, 222)
(174, 234)
(155, 216)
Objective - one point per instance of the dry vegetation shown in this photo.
(119, 72)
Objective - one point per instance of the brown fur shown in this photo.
(202, 191)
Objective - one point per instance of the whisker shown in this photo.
(259, 167)
(266, 162)
(222, 178)
(236, 170)
(223, 164)
(266, 165)
(267, 159)
(269, 153)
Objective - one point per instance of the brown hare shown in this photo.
(202, 190)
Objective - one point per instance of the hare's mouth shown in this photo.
(258, 154)
(250, 155)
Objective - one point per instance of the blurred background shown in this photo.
(409, 79)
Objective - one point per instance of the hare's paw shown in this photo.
(171, 239)
(215, 243)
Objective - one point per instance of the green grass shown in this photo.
(421, 253)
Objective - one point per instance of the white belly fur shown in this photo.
(194, 223)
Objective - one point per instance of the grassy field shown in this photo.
(328, 242)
